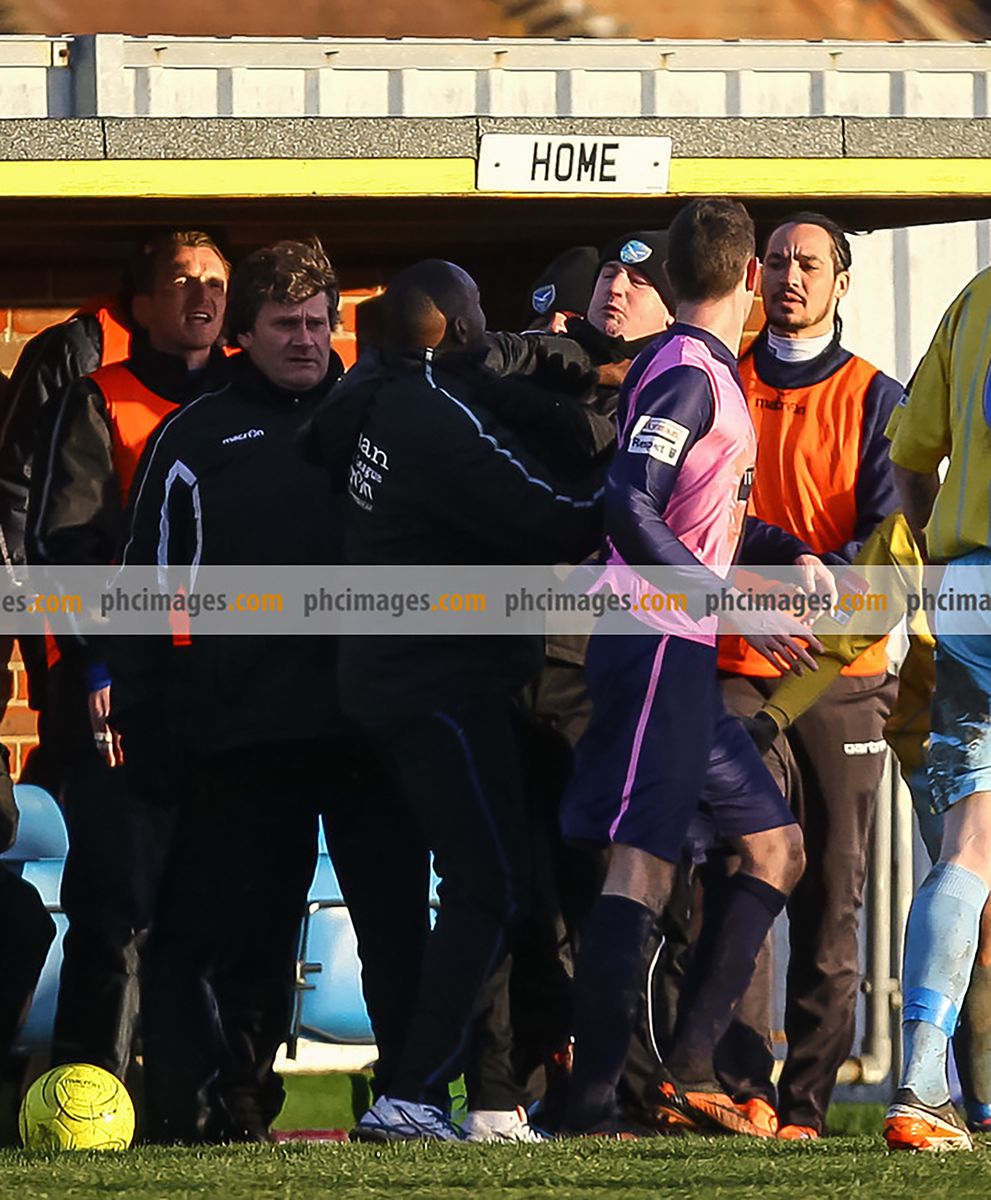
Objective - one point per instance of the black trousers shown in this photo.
(221, 956)
(382, 863)
(28, 932)
(459, 773)
(829, 765)
(117, 850)
(525, 1018)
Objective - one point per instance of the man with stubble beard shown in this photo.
(823, 474)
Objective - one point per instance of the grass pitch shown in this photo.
(851, 1164)
(690, 1167)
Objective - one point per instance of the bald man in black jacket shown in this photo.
(434, 479)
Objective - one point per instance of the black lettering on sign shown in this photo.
(579, 162)
(564, 163)
(608, 162)
(587, 160)
(540, 160)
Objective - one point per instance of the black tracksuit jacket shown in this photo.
(436, 479)
(260, 502)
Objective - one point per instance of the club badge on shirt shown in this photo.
(660, 437)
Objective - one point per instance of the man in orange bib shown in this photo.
(177, 288)
(823, 475)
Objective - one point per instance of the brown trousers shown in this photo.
(829, 765)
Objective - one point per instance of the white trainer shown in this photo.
(403, 1121)
(492, 1125)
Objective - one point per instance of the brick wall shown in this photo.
(344, 338)
(19, 325)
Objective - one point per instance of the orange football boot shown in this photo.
(911, 1125)
(798, 1133)
(761, 1114)
(711, 1111)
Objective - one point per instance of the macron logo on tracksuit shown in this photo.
(246, 436)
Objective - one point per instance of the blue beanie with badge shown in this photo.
(645, 250)
(566, 283)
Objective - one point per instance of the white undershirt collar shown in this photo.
(797, 349)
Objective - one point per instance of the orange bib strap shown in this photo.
(135, 413)
(116, 337)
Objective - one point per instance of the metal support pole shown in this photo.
(904, 849)
(881, 983)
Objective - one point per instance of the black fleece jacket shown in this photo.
(51, 361)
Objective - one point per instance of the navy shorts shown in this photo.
(662, 755)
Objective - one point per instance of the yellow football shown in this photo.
(76, 1107)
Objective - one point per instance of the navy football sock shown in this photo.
(609, 980)
(721, 970)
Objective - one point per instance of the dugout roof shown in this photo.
(375, 144)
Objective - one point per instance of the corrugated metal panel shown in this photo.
(902, 282)
(123, 76)
(603, 78)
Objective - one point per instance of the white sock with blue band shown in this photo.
(940, 947)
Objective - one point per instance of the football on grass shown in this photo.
(76, 1107)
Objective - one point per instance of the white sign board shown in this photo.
(524, 162)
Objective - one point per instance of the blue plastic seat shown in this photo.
(41, 832)
(40, 852)
(325, 889)
(46, 875)
(329, 1002)
(37, 1030)
(332, 1008)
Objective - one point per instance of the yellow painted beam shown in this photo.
(242, 178)
(831, 176)
(239, 177)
